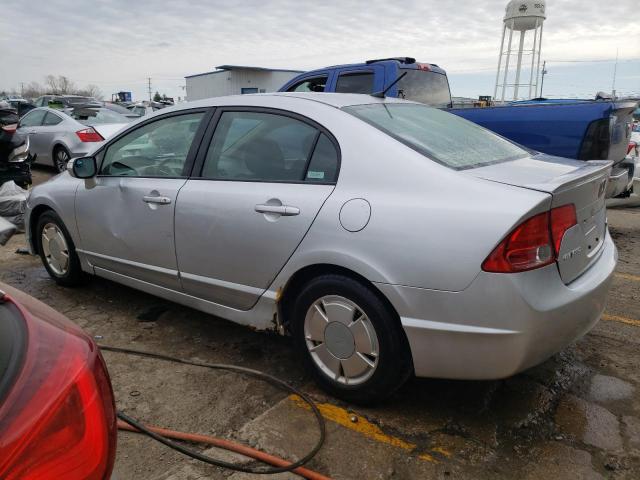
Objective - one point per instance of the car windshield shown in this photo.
(96, 116)
(443, 137)
(426, 87)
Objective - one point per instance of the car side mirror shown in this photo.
(83, 167)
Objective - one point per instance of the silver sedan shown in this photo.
(386, 237)
(57, 136)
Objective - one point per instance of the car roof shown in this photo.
(401, 64)
(337, 100)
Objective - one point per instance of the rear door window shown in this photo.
(257, 146)
(323, 166)
(51, 119)
(33, 119)
(355, 82)
(315, 84)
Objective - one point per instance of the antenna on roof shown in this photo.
(382, 93)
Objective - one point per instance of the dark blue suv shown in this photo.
(424, 82)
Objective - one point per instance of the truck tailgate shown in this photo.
(582, 184)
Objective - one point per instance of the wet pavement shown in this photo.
(575, 416)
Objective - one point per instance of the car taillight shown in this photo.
(562, 219)
(631, 146)
(89, 135)
(10, 128)
(595, 144)
(533, 244)
(58, 419)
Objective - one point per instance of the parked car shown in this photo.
(57, 410)
(121, 110)
(15, 162)
(141, 109)
(20, 105)
(56, 136)
(580, 129)
(340, 219)
(66, 101)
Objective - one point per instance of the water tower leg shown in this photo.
(506, 66)
(519, 67)
(495, 90)
(533, 57)
(538, 67)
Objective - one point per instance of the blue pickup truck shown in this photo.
(580, 129)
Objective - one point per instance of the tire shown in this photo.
(67, 274)
(350, 362)
(61, 157)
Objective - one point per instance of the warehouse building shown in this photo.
(235, 80)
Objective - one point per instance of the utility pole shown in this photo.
(544, 72)
(21, 89)
(150, 98)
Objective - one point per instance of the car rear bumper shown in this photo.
(502, 323)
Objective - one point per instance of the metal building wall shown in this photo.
(231, 82)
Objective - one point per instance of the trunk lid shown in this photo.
(580, 183)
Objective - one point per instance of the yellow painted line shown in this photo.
(366, 428)
(442, 451)
(617, 318)
(628, 276)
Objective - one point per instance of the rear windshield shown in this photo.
(426, 87)
(79, 100)
(97, 116)
(443, 137)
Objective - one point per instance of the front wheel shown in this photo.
(57, 251)
(350, 340)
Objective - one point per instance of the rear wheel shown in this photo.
(350, 340)
(57, 251)
(61, 157)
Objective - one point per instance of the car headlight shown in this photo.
(21, 153)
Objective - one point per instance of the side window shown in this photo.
(51, 119)
(158, 149)
(323, 166)
(33, 119)
(316, 84)
(361, 82)
(257, 146)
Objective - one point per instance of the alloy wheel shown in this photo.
(62, 158)
(55, 249)
(341, 340)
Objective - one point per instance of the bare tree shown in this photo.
(90, 90)
(60, 84)
(33, 90)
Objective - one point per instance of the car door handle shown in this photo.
(284, 210)
(156, 199)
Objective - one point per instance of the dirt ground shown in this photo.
(575, 416)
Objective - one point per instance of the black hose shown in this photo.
(233, 368)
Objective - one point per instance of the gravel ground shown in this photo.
(575, 416)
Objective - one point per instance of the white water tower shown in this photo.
(521, 16)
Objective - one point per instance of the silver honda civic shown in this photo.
(386, 237)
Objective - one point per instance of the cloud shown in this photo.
(118, 44)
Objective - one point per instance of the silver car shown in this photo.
(386, 237)
(57, 136)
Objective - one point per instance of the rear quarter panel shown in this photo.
(429, 227)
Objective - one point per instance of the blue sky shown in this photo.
(117, 44)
